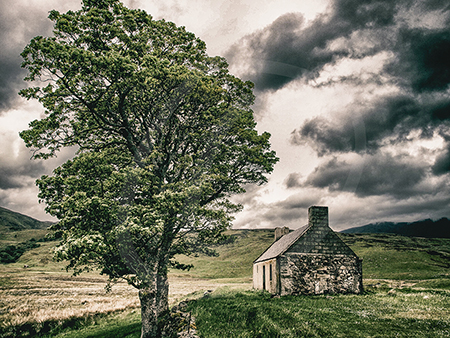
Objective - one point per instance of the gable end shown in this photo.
(320, 241)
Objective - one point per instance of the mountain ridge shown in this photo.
(425, 228)
(15, 221)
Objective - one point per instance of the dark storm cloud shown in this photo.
(292, 180)
(18, 24)
(277, 53)
(287, 212)
(422, 59)
(16, 169)
(390, 117)
(418, 64)
(350, 29)
(11, 178)
(292, 206)
(442, 164)
(398, 176)
(305, 49)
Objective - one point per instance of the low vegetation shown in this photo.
(388, 256)
(12, 253)
(407, 284)
(378, 313)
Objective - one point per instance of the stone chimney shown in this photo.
(318, 216)
(280, 232)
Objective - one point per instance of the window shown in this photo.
(270, 271)
(264, 277)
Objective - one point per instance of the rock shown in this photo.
(181, 323)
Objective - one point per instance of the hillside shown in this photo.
(387, 256)
(426, 228)
(14, 221)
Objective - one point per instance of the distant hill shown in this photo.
(15, 221)
(425, 228)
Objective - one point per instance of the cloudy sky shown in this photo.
(355, 94)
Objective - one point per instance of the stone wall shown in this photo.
(319, 274)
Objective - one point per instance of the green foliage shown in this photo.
(165, 136)
(12, 253)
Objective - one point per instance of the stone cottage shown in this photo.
(309, 260)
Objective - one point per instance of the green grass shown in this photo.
(126, 324)
(388, 256)
(13, 244)
(235, 260)
(14, 237)
(118, 324)
(378, 313)
(375, 314)
(439, 283)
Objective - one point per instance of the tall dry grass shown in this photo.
(32, 297)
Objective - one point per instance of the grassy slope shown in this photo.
(417, 312)
(385, 256)
(16, 228)
(235, 259)
(14, 221)
(391, 256)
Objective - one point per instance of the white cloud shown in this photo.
(349, 94)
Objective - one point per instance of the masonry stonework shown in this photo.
(320, 274)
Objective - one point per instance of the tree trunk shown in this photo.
(154, 307)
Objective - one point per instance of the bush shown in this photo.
(12, 253)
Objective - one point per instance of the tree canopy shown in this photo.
(165, 135)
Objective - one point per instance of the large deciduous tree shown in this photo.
(165, 135)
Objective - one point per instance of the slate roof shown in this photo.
(280, 246)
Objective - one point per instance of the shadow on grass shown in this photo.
(117, 324)
(126, 331)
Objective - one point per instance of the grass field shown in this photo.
(380, 313)
(407, 285)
